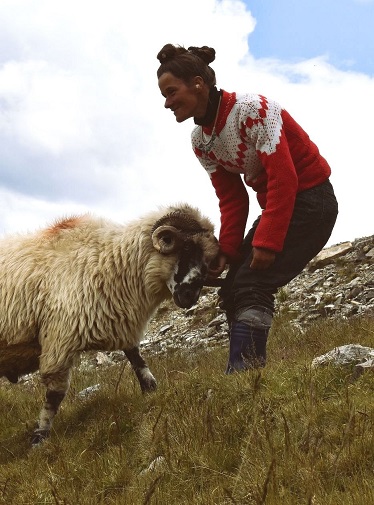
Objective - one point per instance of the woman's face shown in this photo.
(184, 100)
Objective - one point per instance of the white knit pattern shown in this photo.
(263, 121)
(253, 125)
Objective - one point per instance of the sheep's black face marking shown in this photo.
(190, 273)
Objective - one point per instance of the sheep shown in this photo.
(86, 283)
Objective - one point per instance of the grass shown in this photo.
(288, 434)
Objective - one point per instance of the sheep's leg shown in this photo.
(57, 386)
(146, 379)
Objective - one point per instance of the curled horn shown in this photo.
(182, 222)
(167, 239)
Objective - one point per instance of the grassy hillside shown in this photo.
(286, 435)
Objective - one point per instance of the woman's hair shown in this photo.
(188, 63)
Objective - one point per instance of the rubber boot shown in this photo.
(247, 347)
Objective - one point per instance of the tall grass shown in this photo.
(288, 434)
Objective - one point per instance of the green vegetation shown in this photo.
(288, 434)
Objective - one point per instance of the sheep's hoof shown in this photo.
(148, 385)
(39, 436)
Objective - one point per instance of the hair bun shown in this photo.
(169, 52)
(207, 54)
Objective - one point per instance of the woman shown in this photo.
(249, 140)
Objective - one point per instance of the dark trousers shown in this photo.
(312, 222)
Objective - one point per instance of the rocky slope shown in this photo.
(339, 282)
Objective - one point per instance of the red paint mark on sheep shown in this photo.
(63, 224)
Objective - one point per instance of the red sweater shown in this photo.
(259, 142)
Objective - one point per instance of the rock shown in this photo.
(345, 355)
(103, 358)
(85, 393)
(164, 329)
(331, 253)
(367, 364)
(346, 281)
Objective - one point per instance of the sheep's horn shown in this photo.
(180, 221)
(167, 239)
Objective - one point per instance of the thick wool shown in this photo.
(83, 283)
(87, 283)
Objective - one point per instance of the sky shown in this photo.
(83, 126)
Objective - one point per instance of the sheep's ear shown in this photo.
(167, 239)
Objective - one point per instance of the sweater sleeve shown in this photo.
(281, 192)
(234, 206)
(268, 135)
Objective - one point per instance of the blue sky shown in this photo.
(293, 30)
(82, 122)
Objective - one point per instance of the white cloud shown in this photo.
(82, 123)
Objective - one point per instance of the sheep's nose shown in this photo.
(185, 295)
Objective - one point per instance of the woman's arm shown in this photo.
(234, 205)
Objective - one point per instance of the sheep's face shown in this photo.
(193, 254)
(190, 273)
(189, 237)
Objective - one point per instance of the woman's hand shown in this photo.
(262, 258)
(217, 266)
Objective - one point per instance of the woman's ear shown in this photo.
(198, 82)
